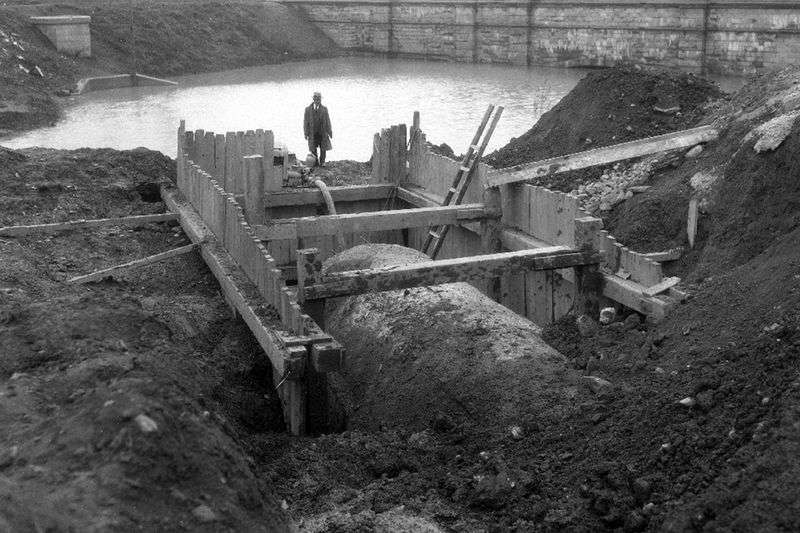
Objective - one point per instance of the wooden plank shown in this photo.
(229, 183)
(664, 286)
(132, 221)
(219, 158)
(691, 222)
(345, 193)
(447, 271)
(254, 188)
(293, 228)
(603, 156)
(539, 296)
(669, 255)
(100, 274)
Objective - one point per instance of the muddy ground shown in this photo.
(139, 402)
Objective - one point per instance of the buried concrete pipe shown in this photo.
(446, 353)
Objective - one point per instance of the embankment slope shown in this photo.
(156, 39)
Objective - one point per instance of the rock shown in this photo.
(634, 522)
(586, 326)
(633, 321)
(598, 385)
(771, 134)
(628, 194)
(491, 492)
(204, 513)
(421, 439)
(607, 315)
(694, 152)
(605, 206)
(145, 423)
(641, 489)
(688, 402)
(638, 188)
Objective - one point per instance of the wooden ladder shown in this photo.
(436, 234)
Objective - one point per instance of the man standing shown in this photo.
(317, 128)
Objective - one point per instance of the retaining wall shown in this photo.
(730, 37)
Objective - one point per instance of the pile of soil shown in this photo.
(448, 350)
(123, 402)
(155, 38)
(609, 106)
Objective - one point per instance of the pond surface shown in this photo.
(362, 95)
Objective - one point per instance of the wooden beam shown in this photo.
(347, 193)
(132, 221)
(669, 255)
(294, 228)
(664, 286)
(629, 294)
(221, 264)
(602, 156)
(447, 271)
(691, 222)
(100, 274)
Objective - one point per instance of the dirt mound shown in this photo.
(446, 349)
(122, 403)
(607, 107)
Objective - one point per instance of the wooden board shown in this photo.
(447, 271)
(133, 221)
(100, 274)
(293, 228)
(603, 156)
(346, 193)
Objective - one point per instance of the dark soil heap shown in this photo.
(609, 106)
(446, 351)
(123, 402)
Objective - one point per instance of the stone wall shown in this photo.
(68, 33)
(725, 37)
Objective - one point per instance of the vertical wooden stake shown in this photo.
(254, 188)
(309, 272)
(588, 280)
(691, 222)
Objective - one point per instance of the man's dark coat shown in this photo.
(324, 122)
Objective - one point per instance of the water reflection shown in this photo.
(362, 94)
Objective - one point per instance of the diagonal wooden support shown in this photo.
(447, 271)
(100, 274)
(603, 156)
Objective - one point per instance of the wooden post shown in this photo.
(179, 153)
(254, 188)
(273, 180)
(309, 271)
(219, 158)
(588, 279)
(691, 222)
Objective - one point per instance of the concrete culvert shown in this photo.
(440, 357)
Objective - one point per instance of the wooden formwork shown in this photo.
(530, 248)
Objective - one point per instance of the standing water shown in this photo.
(363, 95)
